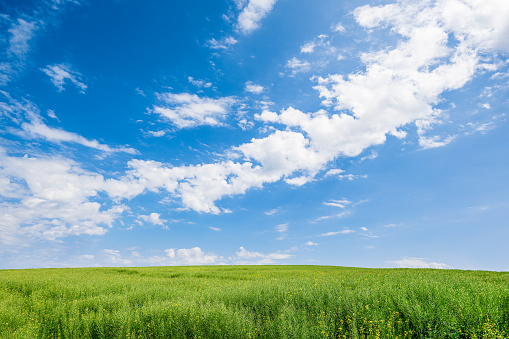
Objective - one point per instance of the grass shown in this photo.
(253, 302)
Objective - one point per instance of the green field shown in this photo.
(253, 302)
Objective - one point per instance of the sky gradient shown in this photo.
(367, 133)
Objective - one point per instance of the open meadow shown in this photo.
(253, 302)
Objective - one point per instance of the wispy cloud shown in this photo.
(37, 129)
(338, 173)
(298, 66)
(282, 228)
(367, 233)
(273, 211)
(329, 234)
(338, 203)
(21, 33)
(60, 73)
(222, 44)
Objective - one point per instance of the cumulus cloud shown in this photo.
(253, 88)
(153, 218)
(250, 17)
(310, 243)
(60, 73)
(245, 257)
(186, 110)
(403, 84)
(50, 198)
(428, 142)
(418, 263)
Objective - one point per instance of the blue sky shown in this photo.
(366, 133)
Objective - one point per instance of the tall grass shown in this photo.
(253, 302)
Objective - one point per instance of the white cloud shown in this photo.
(371, 156)
(21, 33)
(282, 228)
(352, 177)
(308, 47)
(393, 225)
(321, 42)
(216, 229)
(199, 83)
(190, 256)
(153, 218)
(402, 84)
(87, 257)
(310, 243)
(114, 257)
(336, 215)
(21, 112)
(250, 17)
(38, 129)
(338, 203)
(367, 233)
(266, 160)
(140, 92)
(186, 110)
(52, 114)
(298, 66)
(253, 88)
(60, 73)
(223, 44)
(434, 141)
(51, 198)
(418, 263)
(245, 257)
(334, 171)
(339, 28)
(272, 212)
(328, 234)
(17, 48)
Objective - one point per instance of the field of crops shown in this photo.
(253, 302)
